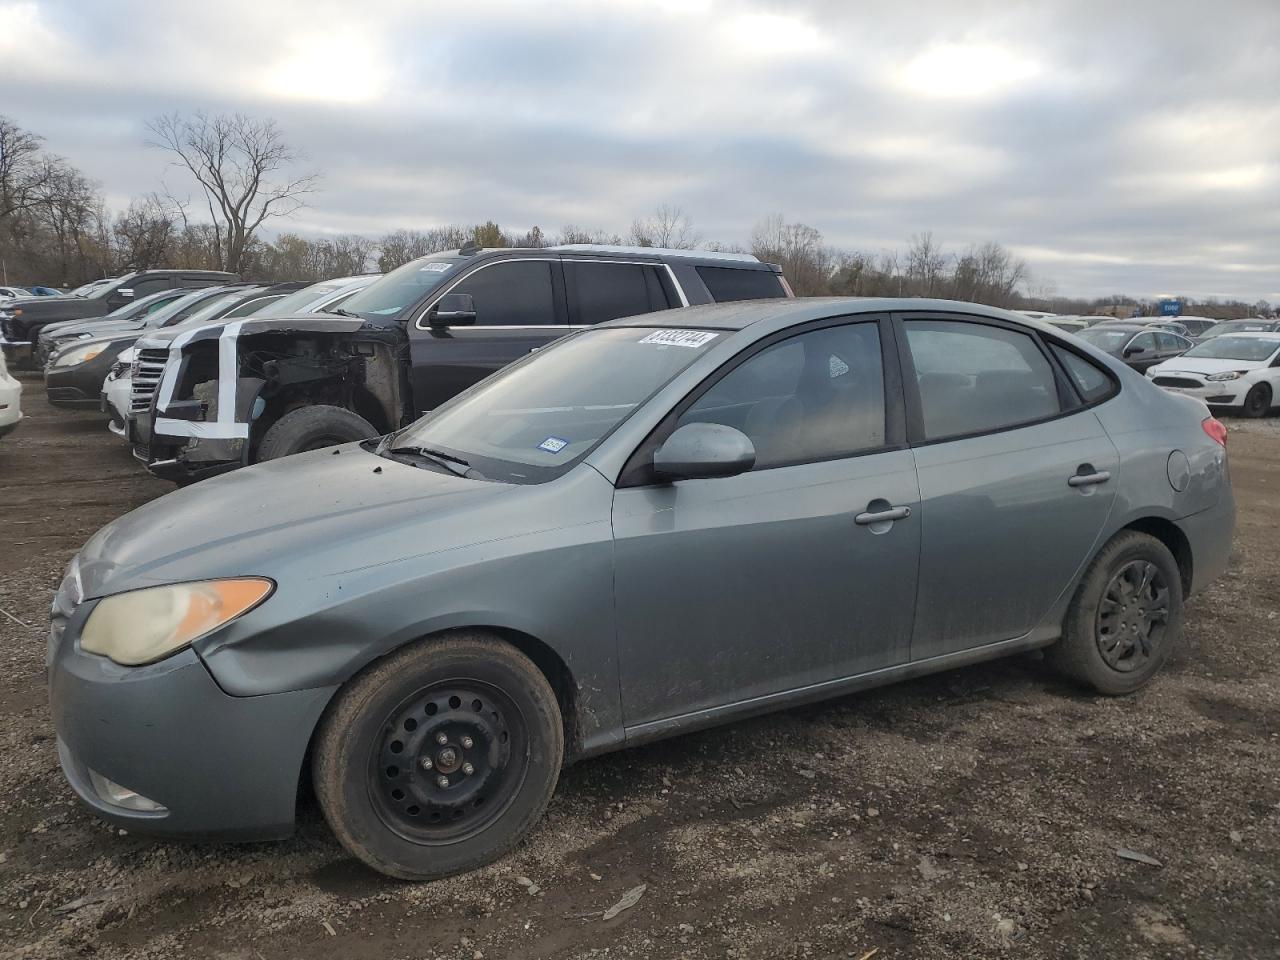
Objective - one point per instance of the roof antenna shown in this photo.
(470, 248)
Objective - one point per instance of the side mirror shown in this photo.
(1134, 351)
(699, 451)
(454, 309)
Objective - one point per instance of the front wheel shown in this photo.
(312, 428)
(439, 758)
(1257, 401)
(1125, 616)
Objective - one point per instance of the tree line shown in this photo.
(56, 229)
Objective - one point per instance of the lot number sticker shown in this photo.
(680, 338)
(553, 444)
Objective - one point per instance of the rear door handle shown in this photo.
(1089, 479)
(882, 516)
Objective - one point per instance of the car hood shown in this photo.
(93, 327)
(311, 511)
(1185, 364)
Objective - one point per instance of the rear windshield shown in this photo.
(402, 287)
(729, 283)
(534, 420)
(1234, 348)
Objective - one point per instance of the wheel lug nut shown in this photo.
(467, 743)
(468, 769)
(442, 781)
(426, 763)
(441, 739)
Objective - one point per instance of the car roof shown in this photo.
(703, 258)
(1254, 335)
(785, 311)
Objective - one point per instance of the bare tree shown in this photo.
(145, 234)
(572, 233)
(926, 266)
(669, 227)
(235, 159)
(22, 171)
(806, 261)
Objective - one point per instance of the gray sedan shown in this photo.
(651, 526)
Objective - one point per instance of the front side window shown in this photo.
(607, 291)
(975, 378)
(815, 396)
(512, 294)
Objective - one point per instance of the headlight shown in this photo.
(1229, 375)
(143, 626)
(69, 358)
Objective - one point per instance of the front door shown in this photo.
(1015, 487)
(798, 572)
(520, 306)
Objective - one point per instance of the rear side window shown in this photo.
(1093, 384)
(607, 291)
(512, 294)
(728, 283)
(975, 378)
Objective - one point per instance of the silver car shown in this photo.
(650, 526)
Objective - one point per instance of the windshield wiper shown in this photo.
(344, 313)
(448, 460)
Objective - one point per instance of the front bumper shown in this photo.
(1225, 394)
(79, 386)
(221, 766)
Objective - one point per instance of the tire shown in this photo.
(388, 809)
(1257, 402)
(1105, 643)
(311, 428)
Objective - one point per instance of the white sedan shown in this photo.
(115, 393)
(1237, 371)
(10, 397)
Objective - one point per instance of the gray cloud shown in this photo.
(1130, 147)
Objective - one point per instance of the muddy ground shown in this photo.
(975, 813)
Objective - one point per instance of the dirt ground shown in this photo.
(974, 813)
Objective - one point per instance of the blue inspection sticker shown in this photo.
(553, 444)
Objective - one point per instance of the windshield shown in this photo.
(1235, 348)
(178, 308)
(402, 287)
(298, 301)
(88, 288)
(533, 421)
(1238, 326)
(212, 310)
(1106, 338)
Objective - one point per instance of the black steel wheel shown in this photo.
(1124, 617)
(1257, 401)
(440, 757)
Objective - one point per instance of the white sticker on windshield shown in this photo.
(680, 338)
(434, 267)
(836, 367)
(553, 444)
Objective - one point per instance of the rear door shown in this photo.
(1017, 478)
(602, 290)
(520, 306)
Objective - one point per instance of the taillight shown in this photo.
(1216, 429)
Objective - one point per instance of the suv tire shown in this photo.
(311, 428)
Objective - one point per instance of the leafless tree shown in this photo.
(22, 170)
(926, 266)
(669, 227)
(806, 261)
(572, 233)
(240, 164)
(145, 234)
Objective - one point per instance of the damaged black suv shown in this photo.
(258, 389)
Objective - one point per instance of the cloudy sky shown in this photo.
(1126, 145)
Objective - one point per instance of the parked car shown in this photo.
(1196, 326)
(45, 292)
(1237, 371)
(75, 374)
(22, 320)
(1135, 343)
(654, 525)
(1103, 318)
(54, 336)
(315, 298)
(1171, 326)
(1044, 315)
(1068, 324)
(402, 346)
(14, 293)
(1241, 326)
(10, 401)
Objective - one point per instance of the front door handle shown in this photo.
(1089, 479)
(882, 516)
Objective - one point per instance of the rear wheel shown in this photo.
(440, 758)
(1257, 401)
(1124, 618)
(311, 428)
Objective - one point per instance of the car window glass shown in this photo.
(811, 397)
(607, 291)
(517, 293)
(735, 283)
(1092, 382)
(1143, 341)
(975, 378)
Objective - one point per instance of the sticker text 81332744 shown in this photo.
(680, 338)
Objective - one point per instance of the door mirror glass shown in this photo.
(1134, 351)
(454, 309)
(704, 450)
